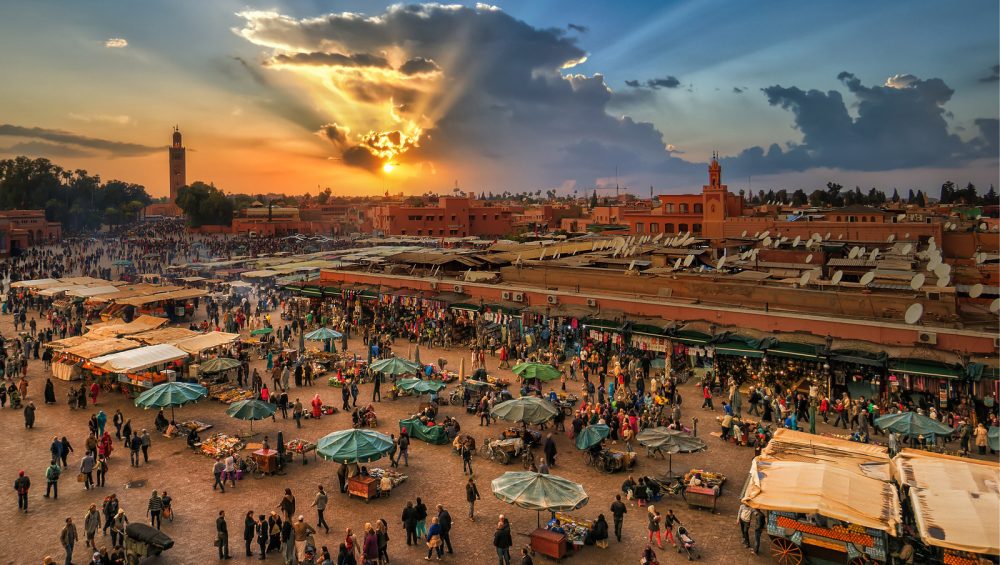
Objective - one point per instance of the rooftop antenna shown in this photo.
(616, 182)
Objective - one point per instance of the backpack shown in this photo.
(53, 473)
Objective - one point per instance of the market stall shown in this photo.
(221, 445)
(541, 492)
(352, 447)
(432, 434)
(301, 447)
(140, 368)
(68, 363)
(386, 480)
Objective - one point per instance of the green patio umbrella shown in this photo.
(662, 439)
(122, 263)
(538, 492)
(539, 371)
(354, 446)
(171, 394)
(323, 334)
(395, 366)
(526, 410)
(591, 436)
(420, 386)
(993, 438)
(251, 410)
(218, 365)
(262, 331)
(912, 424)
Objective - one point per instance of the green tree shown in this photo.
(204, 204)
(324, 196)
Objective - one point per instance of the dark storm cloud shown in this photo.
(274, 98)
(71, 140)
(897, 127)
(334, 133)
(665, 82)
(43, 149)
(330, 60)
(994, 75)
(738, 90)
(633, 83)
(578, 28)
(418, 65)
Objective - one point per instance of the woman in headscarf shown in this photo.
(50, 392)
(317, 406)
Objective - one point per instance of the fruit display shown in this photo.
(227, 393)
(221, 445)
(853, 534)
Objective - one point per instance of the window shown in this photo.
(454, 232)
(453, 217)
(668, 228)
(684, 208)
(440, 232)
(682, 228)
(496, 216)
(654, 228)
(697, 228)
(484, 216)
(670, 208)
(864, 218)
(698, 209)
(638, 227)
(420, 232)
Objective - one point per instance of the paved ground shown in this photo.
(434, 474)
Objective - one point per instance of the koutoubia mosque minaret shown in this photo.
(178, 168)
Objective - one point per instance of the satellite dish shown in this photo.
(853, 254)
(840, 236)
(796, 241)
(809, 258)
(942, 270)
(827, 236)
(777, 243)
(783, 239)
(930, 239)
(658, 237)
(688, 260)
(765, 234)
(906, 235)
(744, 234)
(943, 281)
(983, 226)
(906, 249)
(995, 305)
(873, 254)
(917, 281)
(804, 279)
(756, 234)
(837, 277)
(931, 247)
(631, 265)
(934, 263)
(816, 236)
(721, 263)
(913, 313)
(677, 264)
(976, 291)
(900, 217)
(862, 251)
(868, 278)
(891, 238)
(980, 258)
(767, 241)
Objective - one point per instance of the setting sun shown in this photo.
(388, 167)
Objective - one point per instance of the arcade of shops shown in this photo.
(917, 376)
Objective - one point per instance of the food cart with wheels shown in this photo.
(541, 492)
(702, 488)
(142, 541)
(819, 512)
(353, 447)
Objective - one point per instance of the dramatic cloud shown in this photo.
(118, 119)
(335, 134)
(994, 75)
(899, 125)
(738, 90)
(633, 83)
(43, 149)
(330, 60)
(666, 82)
(419, 65)
(79, 142)
(115, 43)
(578, 28)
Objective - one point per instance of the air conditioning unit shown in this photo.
(928, 338)
(552, 299)
(518, 297)
(457, 288)
(592, 302)
(505, 295)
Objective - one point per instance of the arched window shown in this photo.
(864, 218)
(698, 209)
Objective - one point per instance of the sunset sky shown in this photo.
(524, 95)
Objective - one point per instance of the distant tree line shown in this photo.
(205, 205)
(79, 200)
(834, 196)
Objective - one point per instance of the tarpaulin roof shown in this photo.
(72, 341)
(199, 343)
(172, 295)
(141, 289)
(862, 458)
(88, 291)
(120, 327)
(956, 500)
(824, 489)
(164, 335)
(138, 359)
(96, 348)
(33, 283)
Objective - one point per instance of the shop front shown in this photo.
(925, 384)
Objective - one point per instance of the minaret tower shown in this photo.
(178, 169)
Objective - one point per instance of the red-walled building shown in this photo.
(452, 217)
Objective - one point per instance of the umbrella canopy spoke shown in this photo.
(218, 365)
(912, 424)
(419, 385)
(395, 366)
(251, 409)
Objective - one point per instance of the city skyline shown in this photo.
(366, 98)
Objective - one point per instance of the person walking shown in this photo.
(287, 504)
(154, 509)
(653, 525)
(118, 528)
(409, 519)
(502, 541)
(66, 450)
(303, 532)
(68, 537)
(758, 522)
(382, 531)
(145, 442)
(377, 387)
(287, 538)
(249, 526)
(102, 470)
(434, 542)
(743, 518)
(110, 509)
(471, 496)
(668, 526)
(134, 445)
(320, 503)
(982, 438)
(618, 510)
(550, 450)
(87, 465)
(393, 461)
(29, 416)
(217, 471)
(91, 523)
(404, 449)
(263, 533)
(297, 413)
(369, 546)
(466, 458)
(117, 420)
(420, 509)
(222, 535)
(52, 479)
(706, 394)
(444, 520)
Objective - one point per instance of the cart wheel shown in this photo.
(588, 458)
(455, 400)
(602, 466)
(785, 552)
(858, 561)
(526, 460)
(503, 457)
(484, 451)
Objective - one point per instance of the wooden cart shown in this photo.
(794, 541)
(549, 543)
(362, 487)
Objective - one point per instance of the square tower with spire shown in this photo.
(178, 167)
